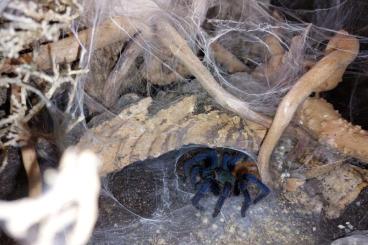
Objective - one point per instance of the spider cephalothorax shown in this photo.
(222, 171)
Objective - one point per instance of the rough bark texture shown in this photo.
(327, 125)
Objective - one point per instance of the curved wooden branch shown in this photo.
(180, 49)
(227, 59)
(277, 53)
(326, 74)
(117, 77)
(155, 74)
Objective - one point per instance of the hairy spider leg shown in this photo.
(226, 191)
(209, 154)
(263, 189)
(205, 186)
(195, 173)
(247, 200)
(229, 161)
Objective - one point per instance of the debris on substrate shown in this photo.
(318, 180)
(354, 218)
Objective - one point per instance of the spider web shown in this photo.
(240, 26)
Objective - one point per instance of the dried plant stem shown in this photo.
(29, 156)
(277, 53)
(180, 49)
(120, 72)
(32, 168)
(7, 81)
(155, 74)
(322, 75)
(67, 50)
(227, 59)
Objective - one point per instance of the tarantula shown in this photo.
(222, 171)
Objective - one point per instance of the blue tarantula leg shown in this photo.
(204, 187)
(228, 160)
(226, 191)
(247, 200)
(194, 175)
(263, 189)
(209, 154)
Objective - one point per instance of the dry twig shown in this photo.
(120, 72)
(32, 168)
(67, 50)
(155, 74)
(326, 74)
(26, 22)
(227, 59)
(28, 151)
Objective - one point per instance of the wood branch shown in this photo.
(324, 72)
(155, 74)
(277, 52)
(32, 168)
(326, 124)
(180, 49)
(67, 50)
(227, 59)
(28, 151)
(281, 64)
(120, 72)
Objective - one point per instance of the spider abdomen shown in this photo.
(245, 167)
